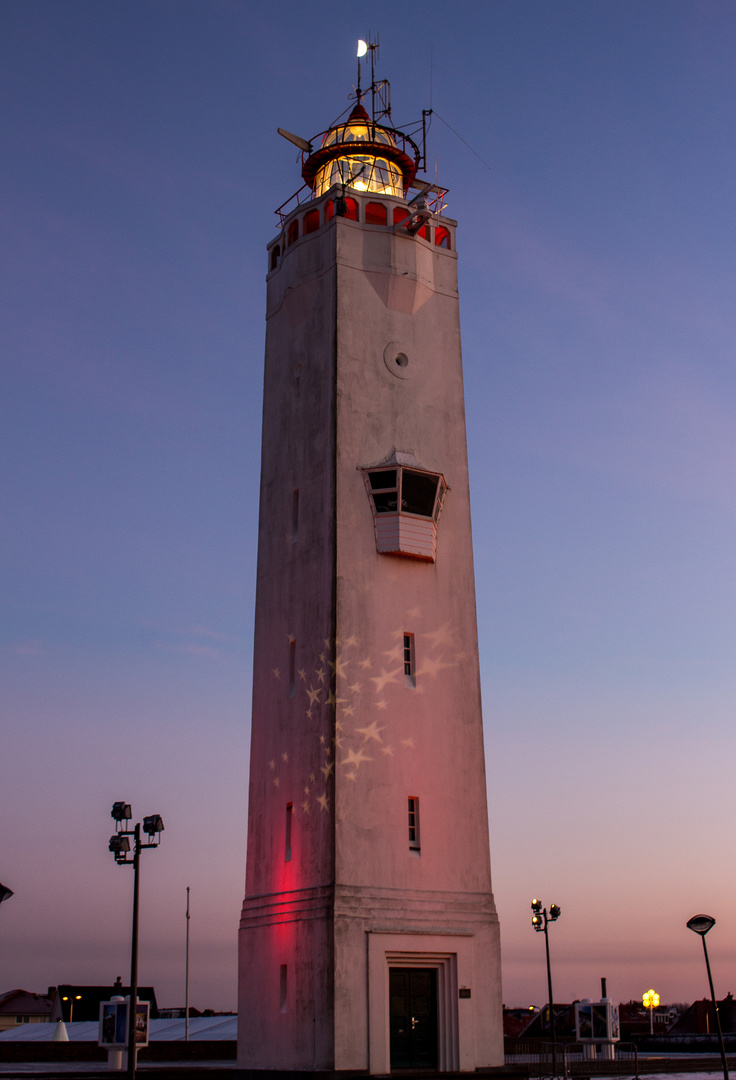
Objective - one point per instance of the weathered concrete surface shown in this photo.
(339, 740)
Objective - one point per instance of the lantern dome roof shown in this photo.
(362, 147)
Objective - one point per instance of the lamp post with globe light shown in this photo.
(120, 847)
(701, 924)
(540, 920)
(650, 1001)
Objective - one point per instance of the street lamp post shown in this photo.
(650, 1001)
(701, 924)
(120, 847)
(540, 919)
(71, 1000)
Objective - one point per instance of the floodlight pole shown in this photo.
(549, 990)
(540, 921)
(133, 1006)
(120, 846)
(552, 1029)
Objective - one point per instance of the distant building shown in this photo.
(25, 1007)
(635, 1021)
(539, 1026)
(699, 1019)
(516, 1021)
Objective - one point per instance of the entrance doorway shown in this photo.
(413, 1017)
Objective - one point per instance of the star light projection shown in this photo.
(329, 689)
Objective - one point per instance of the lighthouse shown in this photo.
(369, 938)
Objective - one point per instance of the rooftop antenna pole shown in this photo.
(373, 46)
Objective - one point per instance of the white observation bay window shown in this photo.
(406, 500)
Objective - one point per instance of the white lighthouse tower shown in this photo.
(369, 938)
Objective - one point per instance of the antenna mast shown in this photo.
(380, 91)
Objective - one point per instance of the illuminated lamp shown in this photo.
(389, 158)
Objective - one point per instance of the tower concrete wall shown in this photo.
(363, 361)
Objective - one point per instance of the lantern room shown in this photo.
(364, 155)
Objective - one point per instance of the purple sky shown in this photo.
(141, 169)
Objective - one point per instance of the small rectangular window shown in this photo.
(414, 844)
(292, 667)
(282, 988)
(410, 677)
(295, 516)
(287, 842)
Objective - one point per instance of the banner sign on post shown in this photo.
(113, 1031)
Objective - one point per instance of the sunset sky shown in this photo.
(590, 152)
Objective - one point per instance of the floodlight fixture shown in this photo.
(121, 811)
(119, 846)
(536, 906)
(554, 912)
(153, 824)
